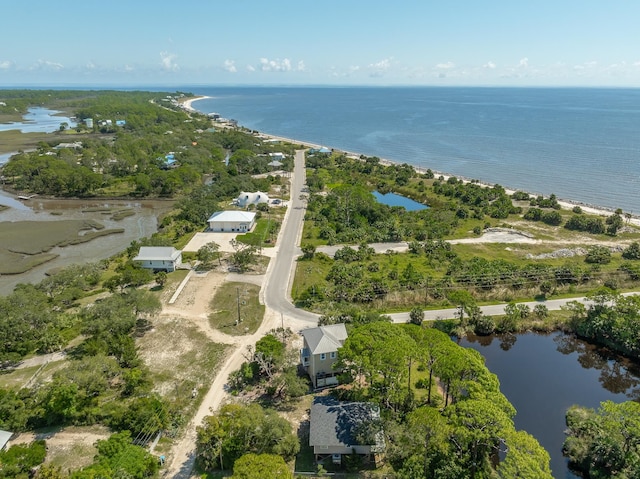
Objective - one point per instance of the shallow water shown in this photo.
(38, 120)
(143, 223)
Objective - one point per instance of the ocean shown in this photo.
(582, 144)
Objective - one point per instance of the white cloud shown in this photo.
(524, 62)
(251, 68)
(445, 66)
(490, 65)
(128, 68)
(379, 68)
(276, 65)
(230, 66)
(47, 65)
(5, 65)
(354, 68)
(167, 60)
(90, 65)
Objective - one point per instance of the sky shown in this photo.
(321, 42)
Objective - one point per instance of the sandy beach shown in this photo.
(566, 204)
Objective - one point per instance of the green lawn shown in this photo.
(233, 300)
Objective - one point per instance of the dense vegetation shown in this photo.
(452, 431)
(605, 443)
(131, 159)
(341, 209)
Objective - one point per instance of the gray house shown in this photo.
(320, 352)
(340, 427)
(159, 258)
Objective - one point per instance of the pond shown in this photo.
(38, 120)
(542, 375)
(392, 199)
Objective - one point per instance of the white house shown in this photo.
(159, 258)
(232, 221)
(5, 437)
(245, 199)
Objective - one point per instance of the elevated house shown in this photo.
(159, 258)
(232, 221)
(320, 352)
(344, 427)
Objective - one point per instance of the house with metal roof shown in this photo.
(344, 427)
(159, 258)
(320, 353)
(5, 437)
(232, 221)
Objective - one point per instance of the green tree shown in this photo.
(161, 278)
(525, 458)
(416, 315)
(236, 430)
(208, 252)
(632, 251)
(19, 459)
(264, 466)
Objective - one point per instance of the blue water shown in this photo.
(581, 144)
(392, 199)
(38, 120)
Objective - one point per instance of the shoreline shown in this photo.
(565, 204)
(188, 103)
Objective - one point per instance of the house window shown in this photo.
(333, 354)
(323, 356)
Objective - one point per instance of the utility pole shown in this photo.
(238, 299)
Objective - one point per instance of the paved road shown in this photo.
(279, 278)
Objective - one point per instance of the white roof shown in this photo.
(157, 253)
(232, 216)
(325, 339)
(4, 438)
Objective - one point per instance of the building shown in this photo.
(159, 258)
(245, 199)
(5, 437)
(320, 352)
(232, 221)
(341, 427)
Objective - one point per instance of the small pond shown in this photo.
(543, 374)
(38, 120)
(392, 199)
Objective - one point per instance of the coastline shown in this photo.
(188, 103)
(565, 204)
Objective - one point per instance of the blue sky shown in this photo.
(326, 42)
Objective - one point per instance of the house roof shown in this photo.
(325, 339)
(4, 438)
(232, 216)
(336, 423)
(157, 253)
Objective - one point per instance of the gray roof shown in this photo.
(334, 423)
(325, 339)
(4, 438)
(232, 216)
(157, 253)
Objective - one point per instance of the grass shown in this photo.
(231, 298)
(260, 236)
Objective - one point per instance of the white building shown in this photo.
(5, 437)
(159, 258)
(245, 199)
(232, 221)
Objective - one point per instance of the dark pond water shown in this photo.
(542, 375)
(392, 199)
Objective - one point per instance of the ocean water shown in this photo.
(583, 144)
